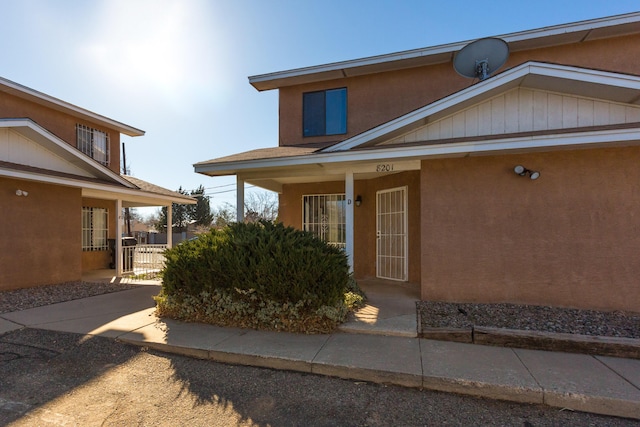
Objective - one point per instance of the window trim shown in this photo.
(305, 112)
(90, 140)
(95, 231)
(339, 227)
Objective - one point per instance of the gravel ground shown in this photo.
(432, 314)
(22, 299)
(529, 318)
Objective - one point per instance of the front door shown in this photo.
(391, 228)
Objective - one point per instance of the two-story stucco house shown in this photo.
(61, 191)
(523, 187)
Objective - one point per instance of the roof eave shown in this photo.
(523, 40)
(24, 92)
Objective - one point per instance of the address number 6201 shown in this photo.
(384, 167)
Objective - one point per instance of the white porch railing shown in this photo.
(142, 260)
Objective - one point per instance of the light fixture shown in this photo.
(21, 193)
(522, 171)
(358, 200)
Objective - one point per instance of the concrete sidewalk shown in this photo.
(603, 385)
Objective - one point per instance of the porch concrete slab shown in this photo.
(400, 326)
(581, 382)
(278, 350)
(629, 369)
(189, 339)
(375, 358)
(115, 305)
(8, 326)
(494, 372)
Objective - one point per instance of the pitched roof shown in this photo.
(32, 95)
(156, 189)
(262, 153)
(368, 146)
(549, 36)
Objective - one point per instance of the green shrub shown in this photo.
(265, 272)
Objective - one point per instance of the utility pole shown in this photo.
(127, 215)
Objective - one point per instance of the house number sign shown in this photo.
(384, 167)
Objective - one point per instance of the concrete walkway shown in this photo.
(602, 385)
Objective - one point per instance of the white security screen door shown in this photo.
(391, 223)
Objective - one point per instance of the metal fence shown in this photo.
(143, 260)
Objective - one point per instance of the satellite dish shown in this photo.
(481, 57)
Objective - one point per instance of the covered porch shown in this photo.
(356, 201)
(127, 256)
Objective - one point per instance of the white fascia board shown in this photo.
(37, 133)
(574, 27)
(483, 147)
(355, 63)
(92, 189)
(61, 105)
(605, 78)
(503, 79)
(541, 33)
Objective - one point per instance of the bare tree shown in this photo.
(261, 205)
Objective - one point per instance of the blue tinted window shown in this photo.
(324, 112)
(336, 111)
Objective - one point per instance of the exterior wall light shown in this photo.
(522, 171)
(358, 200)
(21, 193)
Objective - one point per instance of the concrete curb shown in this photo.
(536, 340)
(619, 407)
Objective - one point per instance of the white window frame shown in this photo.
(93, 142)
(95, 229)
(329, 224)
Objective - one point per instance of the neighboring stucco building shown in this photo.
(410, 166)
(61, 192)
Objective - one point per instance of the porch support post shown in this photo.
(239, 199)
(349, 222)
(170, 225)
(118, 255)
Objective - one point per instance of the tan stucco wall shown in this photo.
(570, 238)
(41, 235)
(60, 124)
(290, 213)
(94, 260)
(378, 98)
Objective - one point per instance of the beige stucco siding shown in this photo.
(377, 98)
(570, 238)
(41, 232)
(60, 124)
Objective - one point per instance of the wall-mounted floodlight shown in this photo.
(522, 171)
(21, 193)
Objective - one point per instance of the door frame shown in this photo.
(404, 276)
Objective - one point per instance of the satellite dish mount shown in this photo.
(481, 57)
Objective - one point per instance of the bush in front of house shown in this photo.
(259, 275)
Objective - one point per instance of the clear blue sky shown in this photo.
(178, 69)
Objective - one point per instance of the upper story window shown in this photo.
(94, 143)
(324, 112)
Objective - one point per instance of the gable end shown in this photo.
(522, 110)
